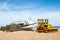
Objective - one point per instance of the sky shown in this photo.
(21, 10)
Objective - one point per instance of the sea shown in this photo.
(56, 26)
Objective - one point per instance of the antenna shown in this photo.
(30, 18)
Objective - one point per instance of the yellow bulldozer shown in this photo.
(43, 26)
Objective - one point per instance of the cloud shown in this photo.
(12, 16)
(4, 6)
(18, 14)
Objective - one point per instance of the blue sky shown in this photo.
(17, 10)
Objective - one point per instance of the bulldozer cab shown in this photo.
(42, 22)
